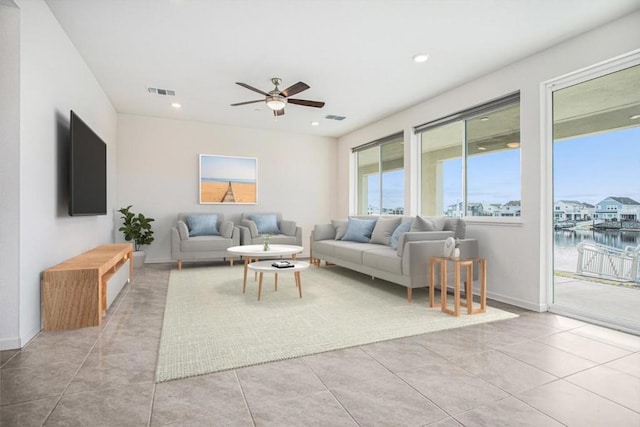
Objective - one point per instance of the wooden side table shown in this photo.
(457, 264)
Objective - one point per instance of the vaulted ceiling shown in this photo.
(356, 55)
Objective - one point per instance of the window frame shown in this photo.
(464, 115)
(378, 143)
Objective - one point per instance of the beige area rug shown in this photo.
(210, 326)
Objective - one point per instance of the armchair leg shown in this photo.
(231, 262)
(409, 294)
(179, 264)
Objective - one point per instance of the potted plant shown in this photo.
(136, 227)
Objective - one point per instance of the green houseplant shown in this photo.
(136, 227)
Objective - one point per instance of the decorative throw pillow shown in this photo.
(384, 229)
(359, 230)
(458, 226)
(267, 224)
(341, 227)
(202, 225)
(402, 228)
(422, 224)
(183, 230)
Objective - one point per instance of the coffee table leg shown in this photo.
(298, 283)
(244, 281)
(259, 286)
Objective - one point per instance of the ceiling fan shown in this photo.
(277, 99)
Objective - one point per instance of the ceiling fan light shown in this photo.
(276, 102)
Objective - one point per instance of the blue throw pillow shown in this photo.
(266, 224)
(402, 228)
(202, 225)
(359, 230)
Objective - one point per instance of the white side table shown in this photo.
(266, 267)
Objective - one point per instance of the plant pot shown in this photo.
(138, 258)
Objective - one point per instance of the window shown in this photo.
(470, 162)
(380, 176)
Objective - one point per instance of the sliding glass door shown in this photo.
(596, 197)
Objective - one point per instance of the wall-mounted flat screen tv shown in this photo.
(88, 170)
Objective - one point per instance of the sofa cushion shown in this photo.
(253, 230)
(324, 232)
(202, 225)
(352, 251)
(438, 222)
(325, 247)
(266, 223)
(359, 230)
(422, 224)
(402, 228)
(383, 258)
(340, 226)
(226, 229)
(183, 230)
(458, 226)
(288, 228)
(384, 229)
(205, 244)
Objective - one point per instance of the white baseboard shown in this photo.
(540, 308)
(10, 343)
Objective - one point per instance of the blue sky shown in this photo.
(228, 168)
(587, 169)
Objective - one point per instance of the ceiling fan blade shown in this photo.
(296, 88)
(248, 102)
(278, 112)
(306, 103)
(252, 88)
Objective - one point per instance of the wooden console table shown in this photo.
(74, 292)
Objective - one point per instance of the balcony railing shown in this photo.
(608, 263)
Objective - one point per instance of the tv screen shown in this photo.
(88, 170)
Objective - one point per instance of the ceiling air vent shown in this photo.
(157, 91)
(334, 117)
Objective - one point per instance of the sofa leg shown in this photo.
(409, 293)
(179, 264)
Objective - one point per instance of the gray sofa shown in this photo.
(201, 237)
(280, 231)
(405, 263)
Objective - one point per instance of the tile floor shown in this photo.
(539, 369)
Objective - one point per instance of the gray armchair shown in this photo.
(202, 237)
(255, 226)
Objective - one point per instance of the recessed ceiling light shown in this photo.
(635, 117)
(484, 119)
(176, 105)
(513, 144)
(482, 148)
(315, 123)
(420, 57)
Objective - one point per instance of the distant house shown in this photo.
(571, 210)
(511, 208)
(617, 209)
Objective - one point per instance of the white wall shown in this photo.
(158, 162)
(513, 252)
(53, 80)
(9, 173)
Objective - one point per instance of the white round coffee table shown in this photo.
(250, 252)
(267, 267)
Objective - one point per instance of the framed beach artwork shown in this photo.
(225, 179)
